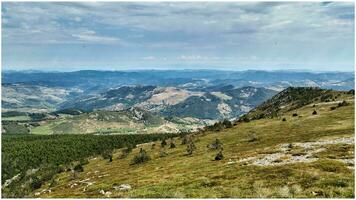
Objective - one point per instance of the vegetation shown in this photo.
(24, 152)
(141, 157)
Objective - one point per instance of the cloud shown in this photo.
(91, 37)
(188, 31)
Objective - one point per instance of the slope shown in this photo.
(128, 121)
(311, 155)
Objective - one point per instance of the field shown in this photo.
(309, 155)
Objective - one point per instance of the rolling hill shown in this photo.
(308, 155)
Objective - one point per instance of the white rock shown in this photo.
(123, 187)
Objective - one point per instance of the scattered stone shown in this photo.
(122, 187)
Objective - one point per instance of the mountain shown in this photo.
(306, 156)
(226, 102)
(87, 79)
(33, 98)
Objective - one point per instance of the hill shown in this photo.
(309, 155)
(34, 98)
(219, 103)
(128, 121)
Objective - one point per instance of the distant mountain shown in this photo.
(34, 98)
(228, 103)
(191, 79)
(219, 103)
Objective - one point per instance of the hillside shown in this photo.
(128, 121)
(309, 155)
(218, 103)
(293, 98)
(34, 98)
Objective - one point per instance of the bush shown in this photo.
(294, 115)
(219, 156)
(36, 183)
(107, 154)
(284, 119)
(163, 143)
(343, 103)
(142, 157)
(78, 168)
(351, 92)
(314, 112)
(190, 147)
(184, 140)
(172, 145)
(332, 108)
(227, 123)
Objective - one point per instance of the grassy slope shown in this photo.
(198, 175)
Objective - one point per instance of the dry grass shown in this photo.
(178, 175)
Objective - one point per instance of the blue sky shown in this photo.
(114, 36)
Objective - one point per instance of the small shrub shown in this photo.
(284, 119)
(314, 112)
(343, 103)
(107, 155)
(246, 119)
(78, 168)
(219, 156)
(36, 183)
(153, 146)
(184, 140)
(227, 123)
(163, 143)
(332, 108)
(294, 115)
(172, 145)
(190, 147)
(142, 157)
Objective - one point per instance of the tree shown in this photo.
(227, 123)
(314, 112)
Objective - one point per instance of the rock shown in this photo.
(122, 187)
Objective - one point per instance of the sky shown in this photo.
(316, 36)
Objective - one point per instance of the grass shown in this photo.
(178, 175)
(17, 118)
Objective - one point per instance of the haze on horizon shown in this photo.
(314, 36)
